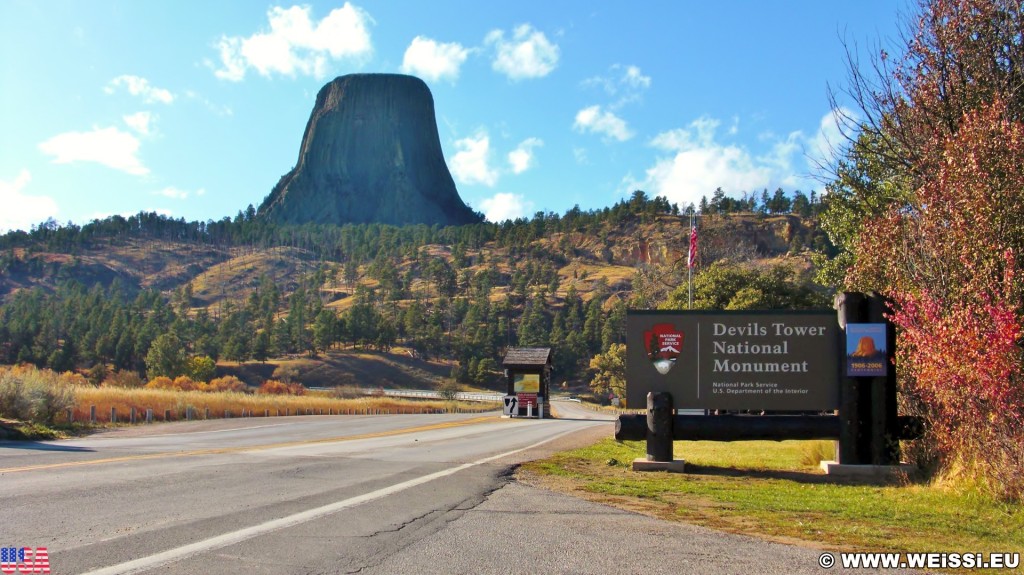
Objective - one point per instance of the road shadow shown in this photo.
(37, 446)
(808, 477)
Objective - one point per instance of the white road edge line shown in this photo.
(115, 438)
(226, 539)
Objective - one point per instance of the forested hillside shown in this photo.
(147, 293)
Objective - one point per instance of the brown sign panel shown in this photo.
(778, 361)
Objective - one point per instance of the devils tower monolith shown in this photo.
(370, 153)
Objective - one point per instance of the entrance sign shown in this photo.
(527, 386)
(866, 350)
(527, 382)
(779, 361)
(527, 399)
(768, 361)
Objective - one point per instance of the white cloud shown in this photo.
(596, 121)
(698, 163)
(471, 164)
(782, 151)
(28, 210)
(701, 133)
(231, 58)
(434, 61)
(295, 44)
(505, 206)
(626, 83)
(108, 146)
(178, 193)
(139, 121)
(829, 139)
(138, 86)
(521, 158)
(633, 78)
(529, 54)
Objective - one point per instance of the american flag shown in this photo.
(691, 261)
(13, 560)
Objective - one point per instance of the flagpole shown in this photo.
(689, 265)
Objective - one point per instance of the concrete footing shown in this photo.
(867, 472)
(674, 466)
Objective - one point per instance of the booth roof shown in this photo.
(527, 356)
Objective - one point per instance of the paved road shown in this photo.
(343, 494)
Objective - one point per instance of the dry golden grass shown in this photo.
(341, 305)
(237, 404)
(584, 276)
(235, 277)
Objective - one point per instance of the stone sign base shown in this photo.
(867, 472)
(643, 464)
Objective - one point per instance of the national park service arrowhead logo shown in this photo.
(664, 343)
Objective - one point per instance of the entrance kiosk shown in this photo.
(528, 375)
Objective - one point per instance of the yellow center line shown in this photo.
(223, 450)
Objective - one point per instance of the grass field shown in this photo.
(160, 401)
(774, 490)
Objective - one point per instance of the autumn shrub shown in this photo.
(14, 401)
(31, 394)
(122, 378)
(226, 383)
(185, 383)
(180, 383)
(274, 387)
(160, 382)
(950, 259)
(74, 379)
(964, 365)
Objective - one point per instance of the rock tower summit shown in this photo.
(370, 153)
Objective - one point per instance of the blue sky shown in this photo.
(195, 109)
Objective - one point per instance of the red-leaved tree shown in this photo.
(928, 207)
(949, 260)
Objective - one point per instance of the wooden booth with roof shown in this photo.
(528, 371)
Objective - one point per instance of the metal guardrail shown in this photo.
(424, 394)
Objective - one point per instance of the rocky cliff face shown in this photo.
(370, 153)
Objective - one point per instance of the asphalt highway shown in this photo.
(341, 494)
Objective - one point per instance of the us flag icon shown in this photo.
(24, 560)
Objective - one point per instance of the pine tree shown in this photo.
(165, 357)
(325, 330)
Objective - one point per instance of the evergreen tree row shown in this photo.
(363, 243)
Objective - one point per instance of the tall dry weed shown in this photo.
(37, 395)
(256, 405)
